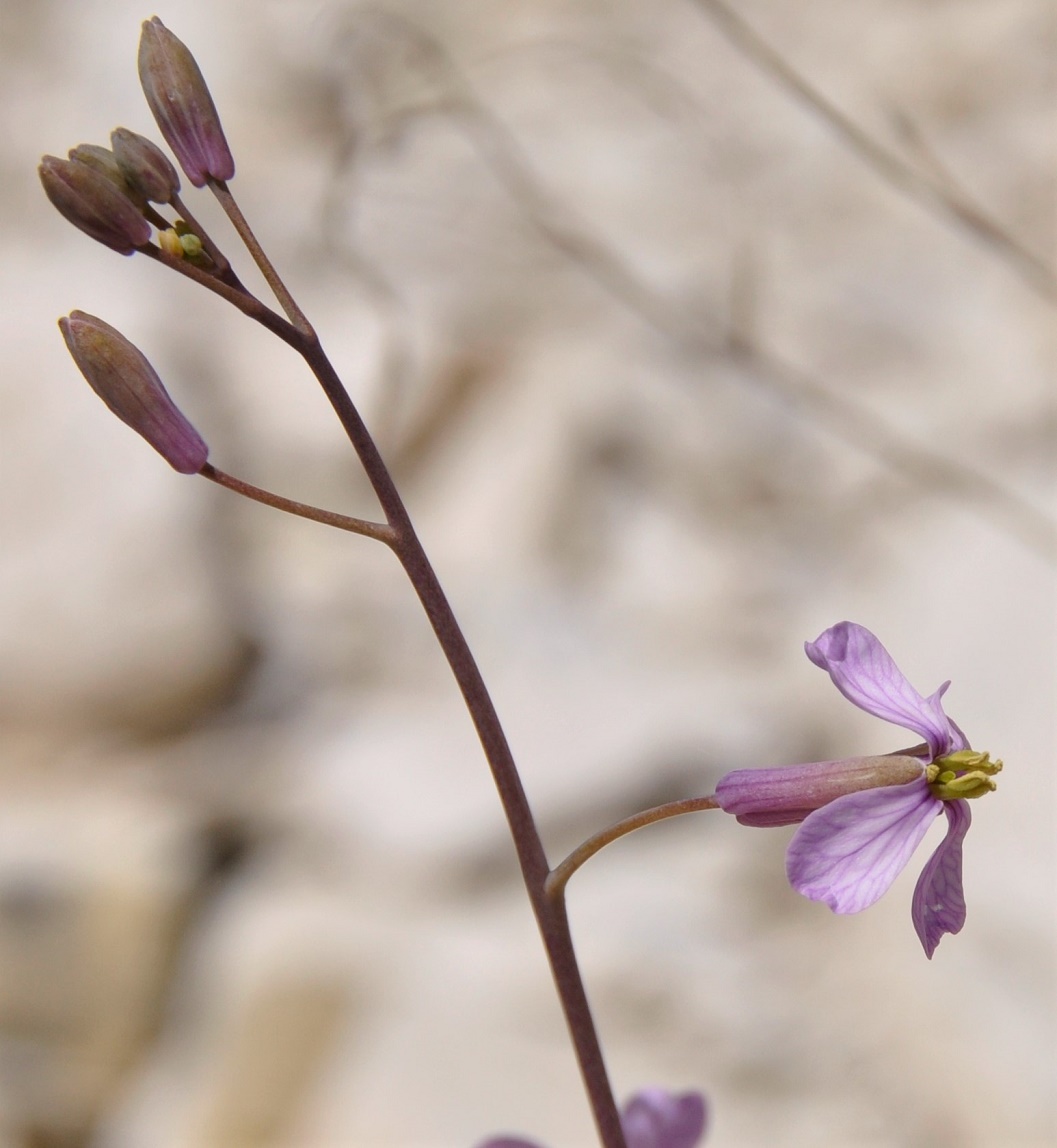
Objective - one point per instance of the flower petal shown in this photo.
(848, 853)
(939, 903)
(655, 1118)
(864, 672)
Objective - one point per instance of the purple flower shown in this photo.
(863, 817)
(652, 1118)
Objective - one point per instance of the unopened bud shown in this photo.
(144, 165)
(182, 106)
(102, 160)
(92, 201)
(120, 375)
(786, 795)
(191, 245)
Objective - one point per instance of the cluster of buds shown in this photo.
(109, 193)
(91, 191)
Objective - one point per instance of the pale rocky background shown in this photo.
(255, 889)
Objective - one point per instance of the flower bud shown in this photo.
(182, 106)
(121, 376)
(91, 200)
(144, 165)
(786, 795)
(102, 160)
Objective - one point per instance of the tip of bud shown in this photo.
(85, 191)
(120, 375)
(144, 165)
(182, 106)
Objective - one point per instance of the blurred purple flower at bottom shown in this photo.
(652, 1118)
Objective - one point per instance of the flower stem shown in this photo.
(227, 201)
(224, 269)
(376, 530)
(551, 917)
(549, 910)
(237, 296)
(559, 876)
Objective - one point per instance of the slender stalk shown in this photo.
(377, 530)
(559, 876)
(550, 913)
(238, 221)
(223, 268)
(238, 297)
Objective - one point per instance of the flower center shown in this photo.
(962, 774)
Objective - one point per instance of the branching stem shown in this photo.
(377, 530)
(399, 534)
(550, 911)
(227, 201)
(559, 876)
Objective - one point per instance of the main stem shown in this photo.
(399, 534)
(550, 911)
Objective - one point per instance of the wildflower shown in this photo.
(121, 376)
(89, 196)
(652, 1118)
(182, 106)
(862, 818)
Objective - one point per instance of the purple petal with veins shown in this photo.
(848, 853)
(938, 906)
(864, 672)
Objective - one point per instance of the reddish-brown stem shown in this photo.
(227, 201)
(224, 269)
(550, 912)
(400, 535)
(559, 876)
(377, 530)
(237, 296)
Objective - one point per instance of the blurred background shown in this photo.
(689, 329)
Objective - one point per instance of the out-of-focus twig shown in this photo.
(701, 337)
(935, 188)
(860, 427)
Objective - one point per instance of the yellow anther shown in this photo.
(171, 243)
(965, 773)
